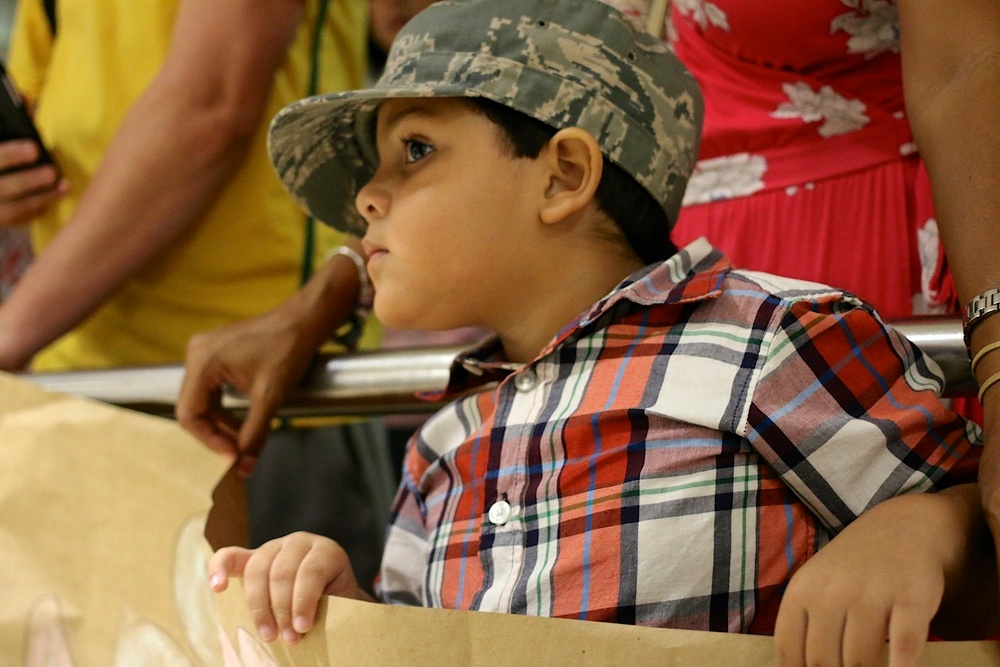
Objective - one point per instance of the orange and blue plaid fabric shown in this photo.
(672, 456)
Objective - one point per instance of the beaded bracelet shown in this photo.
(366, 295)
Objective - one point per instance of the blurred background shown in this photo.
(6, 16)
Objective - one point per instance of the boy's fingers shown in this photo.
(865, 636)
(790, 635)
(908, 630)
(257, 586)
(227, 562)
(824, 638)
(283, 586)
(317, 571)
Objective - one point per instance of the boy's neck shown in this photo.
(566, 287)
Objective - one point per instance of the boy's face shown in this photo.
(450, 217)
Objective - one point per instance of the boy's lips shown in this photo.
(372, 250)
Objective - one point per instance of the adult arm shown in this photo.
(177, 148)
(951, 68)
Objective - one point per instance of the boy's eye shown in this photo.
(416, 150)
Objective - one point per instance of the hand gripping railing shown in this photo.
(386, 381)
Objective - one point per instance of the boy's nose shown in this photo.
(372, 201)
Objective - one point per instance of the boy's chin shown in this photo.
(403, 318)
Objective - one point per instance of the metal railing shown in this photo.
(386, 381)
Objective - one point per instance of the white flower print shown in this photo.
(726, 177)
(873, 27)
(840, 115)
(928, 301)
(703, 13)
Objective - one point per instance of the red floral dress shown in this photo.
(807, 166)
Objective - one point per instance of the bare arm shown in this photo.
(176, 149)
(951, 67)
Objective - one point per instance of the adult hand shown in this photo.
(264, 358)
(26, 192)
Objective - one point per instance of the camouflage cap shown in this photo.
(564, 62)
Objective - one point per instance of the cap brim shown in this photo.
(323, 148)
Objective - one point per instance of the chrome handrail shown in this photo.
(386, 381)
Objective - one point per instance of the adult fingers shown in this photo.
(264, 401)
(17, 153)
(199, 403)
(21, 207)
(198, 411)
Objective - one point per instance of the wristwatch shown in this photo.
(979, 308)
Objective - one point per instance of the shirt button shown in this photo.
(500, 512)
(525, 380)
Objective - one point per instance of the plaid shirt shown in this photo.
(672, 456)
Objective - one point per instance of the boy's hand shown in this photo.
(903, 564)
(284, 580)
(852, 597)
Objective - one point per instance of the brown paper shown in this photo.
(102, 564)
(102, 559)
(372, 635)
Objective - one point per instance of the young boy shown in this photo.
(662, 439)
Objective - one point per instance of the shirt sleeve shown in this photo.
(848, 412)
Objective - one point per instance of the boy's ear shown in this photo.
(575, 165)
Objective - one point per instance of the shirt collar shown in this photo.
(693, 274)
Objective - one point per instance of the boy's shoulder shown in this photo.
(700, 272)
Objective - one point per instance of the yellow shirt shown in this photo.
(247, 254)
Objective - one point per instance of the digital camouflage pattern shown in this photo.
(565, 62)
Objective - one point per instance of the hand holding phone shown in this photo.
(15, 121)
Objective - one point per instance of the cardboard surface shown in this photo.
(102, 563)
(372, 635)
(101, 548)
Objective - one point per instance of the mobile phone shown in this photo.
(15, 121)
